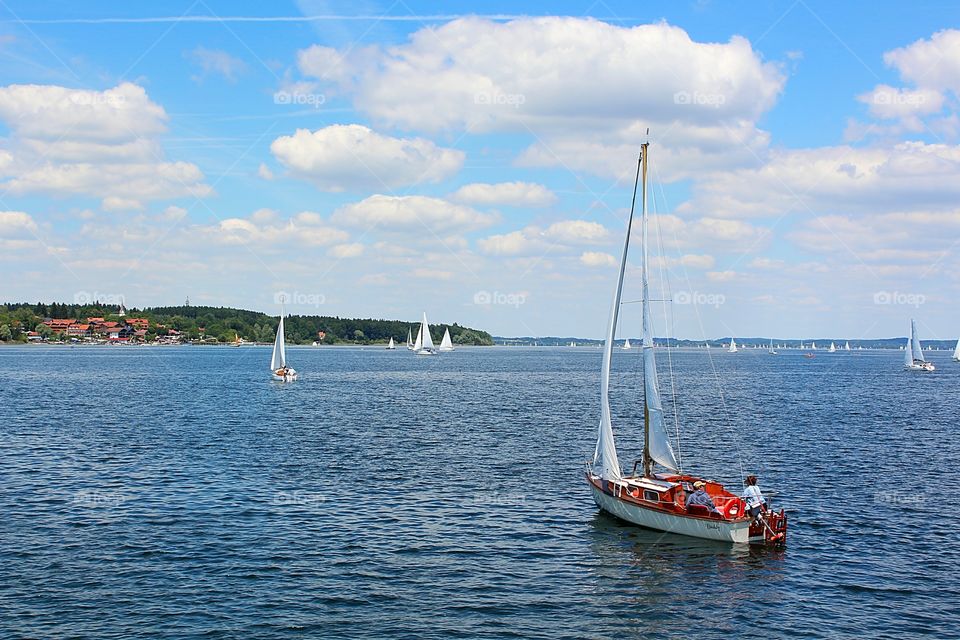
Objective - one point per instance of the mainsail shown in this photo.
(418, 343)
(279, 353)
(446, 344)
(424, 337)
(915, 342)
(956, 351)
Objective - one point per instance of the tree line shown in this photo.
(224, 324)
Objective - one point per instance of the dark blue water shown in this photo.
(178, 492)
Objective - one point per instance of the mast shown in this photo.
(647, 459)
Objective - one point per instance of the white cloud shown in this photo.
(721, 276)
(888, 102)
(702, 99)
(115, 204)
(597, 259)
(265, 229)
(348, 157)
(16, 224)
(518, 194)
(264, 172)
(577, 232)
(697, 261)
(351, 250)
(515, 243)
(96, 143)
(216, 61)
(419, 215)
(932, 63)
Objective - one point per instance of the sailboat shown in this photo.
(391, 345)
(733, 346)
(832, 349)
(409, 339)
(913, 354)
(813, 346)
(658, 500)
(424, 344)
(572, 343)
(278, 363)
(446, 344)
(956, 352)
(846, 347)
(772, 351)
(626, 345)
(236, 340)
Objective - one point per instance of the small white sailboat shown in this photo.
(626, 345)
(846, 347)
(391, 345)
(813, 346)
(772, 351)
(733, 346)
(659, 500)
(956, 352)
(913, 359)
(409, 339)
(278, 363)
(446, 344)
(424, 343)
(832, 349)
(572, 343)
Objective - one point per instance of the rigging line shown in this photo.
(671, 321)
(713, 364)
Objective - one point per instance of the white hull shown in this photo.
(426, 352)
(723, 530)
(445, 349)
(926, 366)
(290, 377)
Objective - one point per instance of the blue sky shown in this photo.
(378, 159)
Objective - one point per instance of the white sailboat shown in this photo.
(832, 349)
(409, 339)
(658, 500)
(733, 346)
(956, 352)
(626, 345)
(391, 345)
(772, 351)
(572, 343)
(913, 359)
(846, 347)
(813, 346)
(446, 344)
(424, 344)
(278, 363)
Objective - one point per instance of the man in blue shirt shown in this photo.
(700, 496)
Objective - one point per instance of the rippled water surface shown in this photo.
(178, 492)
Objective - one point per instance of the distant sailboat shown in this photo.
(832, 349)
(626, 345)
(733, 346)
(409, 339)
(391, 345)
(278, 363)
(813, 346)
(659, 500)
(846, 347)
(913, 359)
(772, 351)
(424, 344)
(446, 344)
(956, 352)
(573, 344)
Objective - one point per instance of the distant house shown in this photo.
(78, 330)
(139, 323)
(122, 333)
(94, 320)
(58, 325)
(33, 336)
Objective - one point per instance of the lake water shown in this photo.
(179, 493)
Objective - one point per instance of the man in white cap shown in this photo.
(701, 497)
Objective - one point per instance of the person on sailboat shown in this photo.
(701, 497)
(756, 503)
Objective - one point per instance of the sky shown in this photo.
(475, 161)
